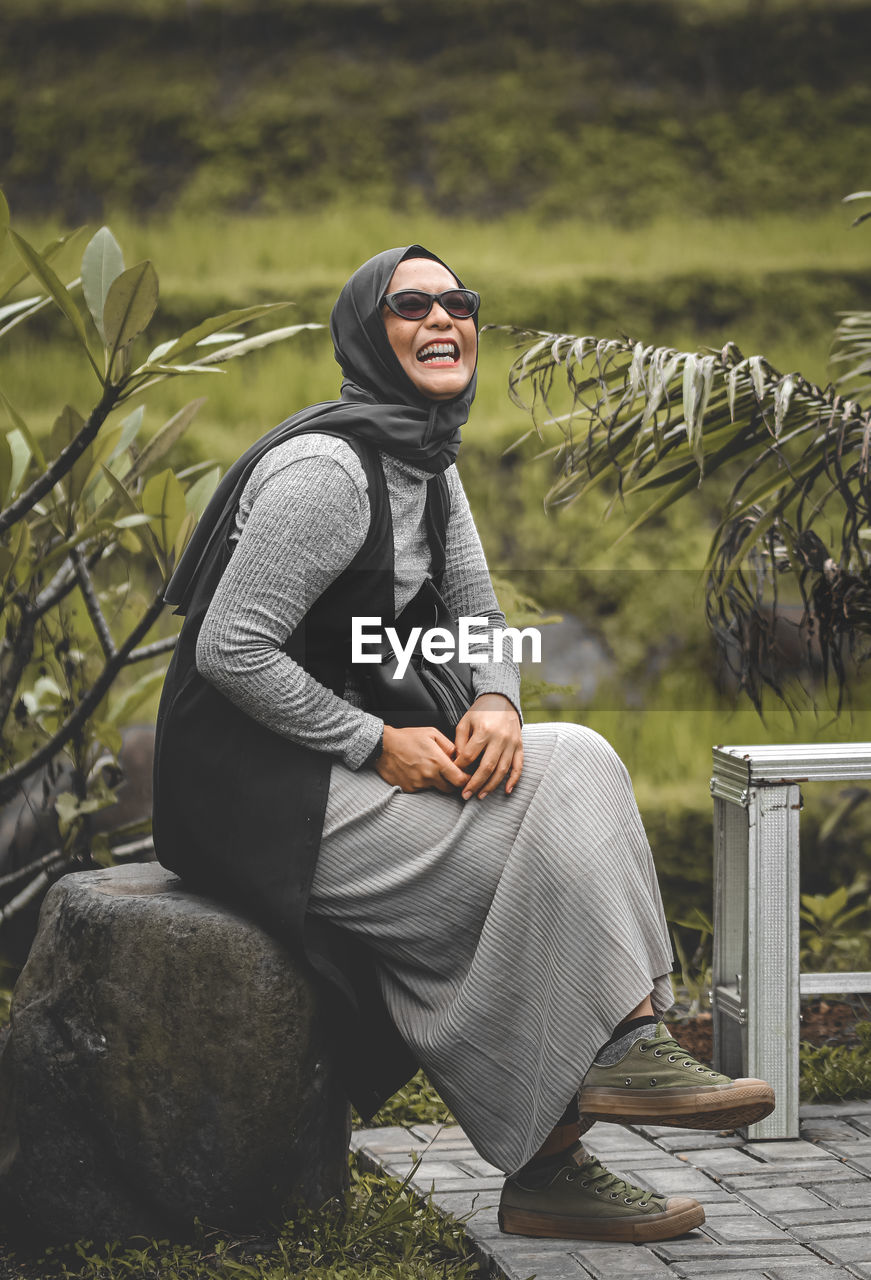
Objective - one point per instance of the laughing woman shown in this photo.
(480, 901)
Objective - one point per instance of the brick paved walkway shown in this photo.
(775, 1210)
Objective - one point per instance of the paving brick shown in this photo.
(824, 1130)
(739, 1266)
(678, 1180)
(471, 1184)
(543, 1265)
(697, 1245)
(859, 1145)
(682, 1140)
(849, 1249)
(718, 1160)
(807, 1217)
(861, 1165)
(805, 1175)
(808, 1233)
(614, 1137)
(702, 1271)
(725, 1206)
(847, 1193)
(431, 1171)
(618, 1260)
(780, 1198)
(479, 1168)
(862, 1124)
(639, 1160)
(780, 1151)
(460, 1204)
(807, 1271)
(749, 1228)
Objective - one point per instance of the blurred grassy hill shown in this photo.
(605, 109)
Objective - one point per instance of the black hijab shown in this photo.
(379, 403)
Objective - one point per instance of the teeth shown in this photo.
(439, 351)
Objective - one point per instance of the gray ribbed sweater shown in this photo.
(302, 518)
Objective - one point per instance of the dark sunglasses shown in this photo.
(414, 304)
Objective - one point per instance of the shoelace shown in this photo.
(675, 1053)
(592, 1173)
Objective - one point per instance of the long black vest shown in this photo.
(239, 809)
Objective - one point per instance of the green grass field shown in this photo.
(662, 713)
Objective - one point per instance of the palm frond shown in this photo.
(648, 419)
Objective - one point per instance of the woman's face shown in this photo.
(420, 345)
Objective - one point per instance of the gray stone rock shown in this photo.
(167, 1061)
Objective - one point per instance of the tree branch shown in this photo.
(153, 650)
(133, 849)
(10, 780)
(25, 897)
(92, 604)
(21, 655)
(64, 461)
(56, 857)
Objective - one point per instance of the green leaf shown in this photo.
(15, 308)
(6, 490)
(4, 213)
(102, 264)
(21, 455)
(163, 498)
(127, 501)
(165, 438)
(130, 304)
(130, 428)
(13, 277)
(197, 496)
(125, 708)
(66, 427)
(782, 397)
(189, 339)
(185, 529)
(253, 344)
(17, 420)
(39, 268)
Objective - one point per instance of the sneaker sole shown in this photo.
(745, 1102)
(681, 1215)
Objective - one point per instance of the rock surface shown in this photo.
(166, 1061)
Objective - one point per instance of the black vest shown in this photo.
(239, 809)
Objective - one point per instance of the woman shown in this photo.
(488, 904)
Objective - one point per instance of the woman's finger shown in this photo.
(501, 770)
(516, 770)
(488, 763)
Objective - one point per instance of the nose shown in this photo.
(439, 317)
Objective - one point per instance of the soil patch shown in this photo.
(822, 1022)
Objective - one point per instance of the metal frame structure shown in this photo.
(756, 975)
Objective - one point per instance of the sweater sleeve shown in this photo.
(307, 516)
(468, 592)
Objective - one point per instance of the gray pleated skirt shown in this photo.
(513, 933)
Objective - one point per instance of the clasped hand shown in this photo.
(488, 738)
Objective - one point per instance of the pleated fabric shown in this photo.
(512, 933)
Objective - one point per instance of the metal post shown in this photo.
(771, 973)
(731, 836)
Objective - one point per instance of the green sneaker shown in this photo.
(657, 1082)
(575, 1198)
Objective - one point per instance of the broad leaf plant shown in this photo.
(650, 423)
(92, 523)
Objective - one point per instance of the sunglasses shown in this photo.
(414, 304)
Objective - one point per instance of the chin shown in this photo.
(443, 391)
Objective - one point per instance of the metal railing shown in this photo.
(756, 976)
